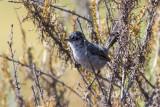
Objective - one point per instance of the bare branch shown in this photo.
(141, 89)
(36, 79)
(12, 56)
(85, 94)
(152, 14)
(35, 99)
(46, 74)
(105, 79)
(57, 7)
(123, 81)
(16, 83)
(150, 99)
(146, 79)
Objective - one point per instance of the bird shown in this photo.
(80, 46)
(89, 55)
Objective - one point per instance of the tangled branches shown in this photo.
(123, 82)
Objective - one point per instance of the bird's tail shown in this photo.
(113, 36)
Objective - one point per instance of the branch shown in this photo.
(84, 79)
(110, 91)
(110, 13)
(85, 94)
(125, 92)
(142, 90)
(46, 74)
(105, 79)
(57, 7)
(35, 99)
(65, 85)
(128, 87)
(150, 99)
(123, 81)
(37, 82)
(14, 67)
(146, 79)
(152, 15)
(16, 83)
(72, 12)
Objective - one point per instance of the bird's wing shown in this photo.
(101, 51)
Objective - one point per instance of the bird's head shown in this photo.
(76, 38)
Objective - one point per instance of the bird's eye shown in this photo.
(76, 38)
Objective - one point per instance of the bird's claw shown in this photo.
(89, 86)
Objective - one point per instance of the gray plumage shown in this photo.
(97, 54)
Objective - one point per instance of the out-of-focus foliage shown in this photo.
(131, 78)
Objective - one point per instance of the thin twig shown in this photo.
(46, 74)
(98, 13)
(35, 99)
(150, 99)
(54, 78)
(110, 91)
(84, 80)
(16, 83)
(141, 89)
(151, 16)
(123, 82)
(37, 82)
(14, 67)
(85, 94)
(146, 79)
(110, 14)
(129, 86)
(57, 7)
(73, 13)
(105, 79)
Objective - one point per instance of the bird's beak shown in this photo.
(69, 40)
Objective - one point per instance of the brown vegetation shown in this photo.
(134, 29)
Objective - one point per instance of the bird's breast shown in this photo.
(79, 54)
(85, 59)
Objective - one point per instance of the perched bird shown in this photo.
(88, 55)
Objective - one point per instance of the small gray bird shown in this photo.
(85, 52)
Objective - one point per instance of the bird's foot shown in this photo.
(89, 86)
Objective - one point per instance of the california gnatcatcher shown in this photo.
(88, 55)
